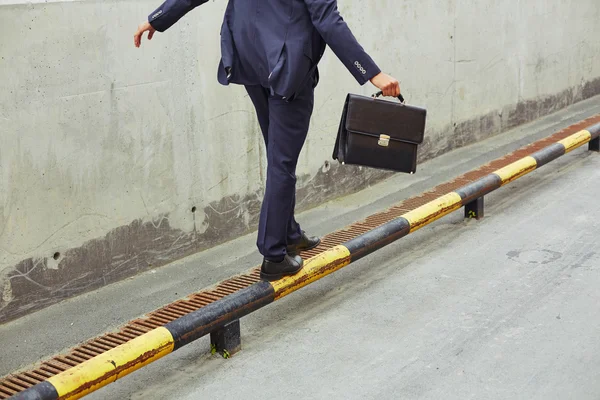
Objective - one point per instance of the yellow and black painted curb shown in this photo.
(106, 368)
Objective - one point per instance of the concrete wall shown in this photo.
(105, 148)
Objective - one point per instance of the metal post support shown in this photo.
(226, 340)
(474, 209)
(595, 144)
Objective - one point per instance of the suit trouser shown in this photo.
(284, 126)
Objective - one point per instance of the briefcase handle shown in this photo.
(401, 98)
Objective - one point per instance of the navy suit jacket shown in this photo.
(277, 43)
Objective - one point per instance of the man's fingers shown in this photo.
(137, 37)
(389, 89)
(394, 88)
(150, 34)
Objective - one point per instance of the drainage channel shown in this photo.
(18, 382)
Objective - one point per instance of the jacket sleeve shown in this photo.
(327, 20)
(170, 12)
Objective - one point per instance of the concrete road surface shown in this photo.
(504, 308)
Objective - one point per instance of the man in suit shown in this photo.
(272, 47)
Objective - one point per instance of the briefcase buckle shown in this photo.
(384, 140)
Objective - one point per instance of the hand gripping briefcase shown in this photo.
(380, 133)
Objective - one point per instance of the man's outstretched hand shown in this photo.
(388, 85)
(137, 38)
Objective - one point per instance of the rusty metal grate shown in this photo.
(17, 382)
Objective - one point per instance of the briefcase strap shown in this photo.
(401, 98)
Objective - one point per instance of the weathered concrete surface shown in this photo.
(504, 308)
(107, 148)
(78, 319)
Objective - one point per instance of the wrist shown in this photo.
(374, 77)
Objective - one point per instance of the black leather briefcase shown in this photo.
(380, 133)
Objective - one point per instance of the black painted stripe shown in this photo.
(41, 391)
(594, 130)
(547, 154)
(213, 316)
(479, 188)
(377, 238)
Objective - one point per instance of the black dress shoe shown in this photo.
(272, 271)
(303, 244)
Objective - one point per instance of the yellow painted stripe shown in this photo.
(106, 368)
(314, 268)
(516, 170)
(427, 213)
(574, 141)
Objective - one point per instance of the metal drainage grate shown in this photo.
(17, 382)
